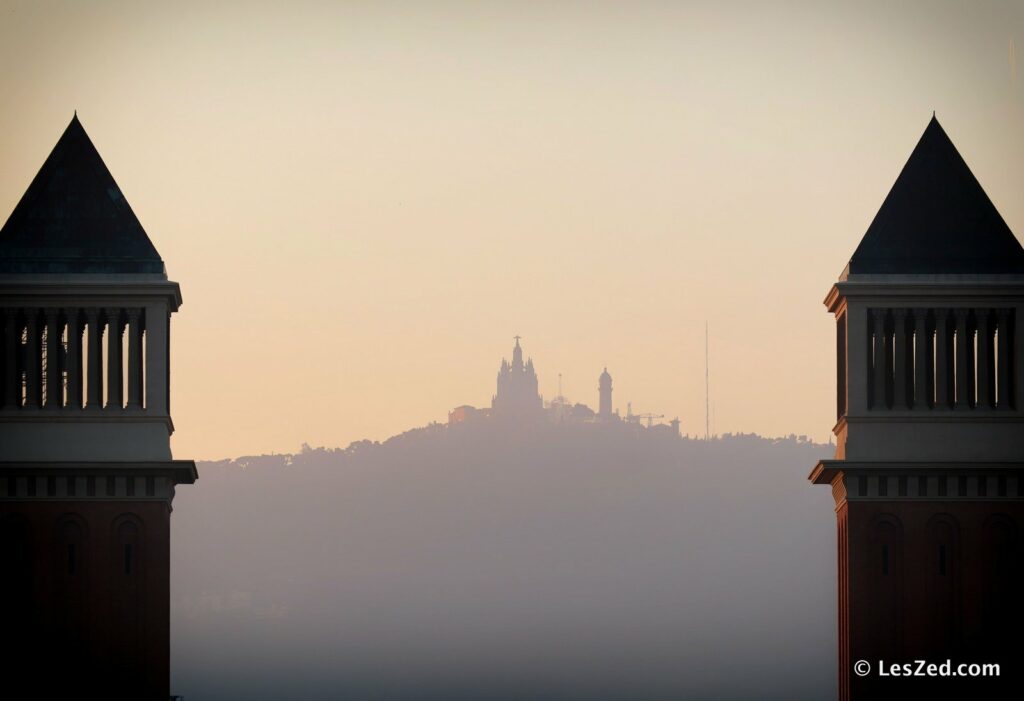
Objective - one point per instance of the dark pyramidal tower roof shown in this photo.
(74, 219)
(937, 219)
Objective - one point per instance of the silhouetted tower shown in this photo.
(517, 384)
(930, 435)
(87, 475)
(604, 388)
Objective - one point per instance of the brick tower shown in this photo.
(927, 476)
(86, 474)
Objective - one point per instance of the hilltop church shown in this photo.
(517, 398)
(517, 394)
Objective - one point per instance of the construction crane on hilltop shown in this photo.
(650, 418)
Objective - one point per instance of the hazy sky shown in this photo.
(363, 202)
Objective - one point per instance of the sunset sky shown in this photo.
(363, 202)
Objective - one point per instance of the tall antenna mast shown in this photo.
(707, 390)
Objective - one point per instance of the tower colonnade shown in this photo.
(74, 358)
(89, 357)
(941, 358)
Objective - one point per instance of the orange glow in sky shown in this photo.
(364, 202)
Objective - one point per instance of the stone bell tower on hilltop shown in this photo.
(86, 473)
(927, 476)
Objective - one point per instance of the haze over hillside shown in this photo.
(501, 561)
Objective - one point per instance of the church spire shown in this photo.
(517, 354)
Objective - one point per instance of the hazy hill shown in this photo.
(569, 562)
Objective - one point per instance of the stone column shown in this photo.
(54, 376)
(878, 370)
(74, 359)
(157, 369)
(986, 399)
(134, 358)
(943, 361)
(964, 383)
(901, 374)
(95, 389)
(858, 358)
(115, 378)
(33, 353)
(12, 343)
(922, 398)
(1003, 359)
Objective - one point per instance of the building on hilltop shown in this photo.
(86, 473)
(929, 461)
(464, 413)
(517, 393)
(604, 390)
(518, 398)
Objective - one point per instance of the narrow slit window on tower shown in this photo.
(125, 374)
(885, 560)
(63, 372)
(942, 560)
(961, 486)
(982, 486)
(51, 486)
(71, 486)
(902, 485)
(111, 486)
(104, 353)
(128, 559)
(862, 486)
(1001, 485)
(915, 391)
(995, 367)
(90, 486)
(129, 484)
(143, 369)
(24, 352)
(976, 394)
(45, 367)
(958, 382)
(890, 373)
(150, 486)
(922, 486)
(942, 486)
(883, 486)
(83, 364)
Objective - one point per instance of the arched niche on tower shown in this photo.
(1001, 581)
(126, 577)
(885, 572)
(71, 569)
(941, 559)
(21, 636)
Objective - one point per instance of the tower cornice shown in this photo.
(16, 290)
(954, 290)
